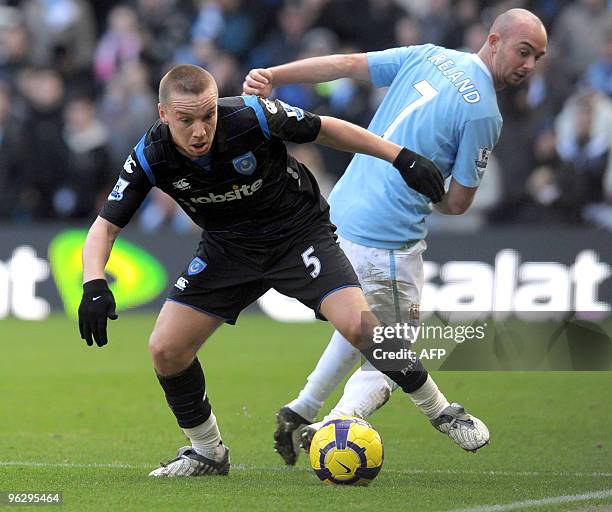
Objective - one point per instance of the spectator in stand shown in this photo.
(14, 44)
(369, 25)
(584, 129)
(285, 43)
(128, 104)
(60, 29)
(88, 176)
(407, 32)
(121, 43)
(227, 23)
(437, 25)
(577, 36)
(166, 26)
(465, 17)
(473, 37)
(10, 136)
(515, 160)
(43, 90)
(599, 74)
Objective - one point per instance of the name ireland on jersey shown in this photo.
(237, 192)
(466, 87)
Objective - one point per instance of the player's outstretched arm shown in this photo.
(97, 303)
(417, 171)
(457, 200)
(312, 71)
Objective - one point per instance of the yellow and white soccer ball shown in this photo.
(346, 451)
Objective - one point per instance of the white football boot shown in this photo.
(464, 429)
(190, 463)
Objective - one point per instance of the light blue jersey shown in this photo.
(441, 103)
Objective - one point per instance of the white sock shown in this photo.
(335, 362)
(429, 399)
(205, 437)
(365, 392)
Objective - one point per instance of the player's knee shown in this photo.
(167, 360)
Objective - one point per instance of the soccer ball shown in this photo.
(346, 451)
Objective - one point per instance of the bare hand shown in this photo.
(258, 82)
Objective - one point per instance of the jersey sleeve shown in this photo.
(477, 141)
(283, 121)
(384, 65)
(129, 192)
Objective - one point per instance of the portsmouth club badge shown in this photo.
(245, 164)
(196, 266)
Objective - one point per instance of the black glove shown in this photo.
(420, 174)
(97, 305)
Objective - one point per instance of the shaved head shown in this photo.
(185, 79)
(508, 21)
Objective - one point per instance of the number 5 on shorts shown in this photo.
(311, 260)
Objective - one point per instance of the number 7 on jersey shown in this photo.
(427, 92)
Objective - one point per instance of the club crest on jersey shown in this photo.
(245, 164)
(118, 189)
(196, 266)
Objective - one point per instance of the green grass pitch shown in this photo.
(92, 423)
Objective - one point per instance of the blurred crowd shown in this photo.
(78, 89)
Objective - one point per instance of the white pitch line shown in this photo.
(555, 500)
(501, 473)
(245, 467)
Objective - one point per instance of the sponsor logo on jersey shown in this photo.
(181, 283)
(181, 184)
(296, 112)
(118, 189)
(196, 266)
(237, 192)
(127, 166)
(245, 164)
(270, 105)
(483, 159)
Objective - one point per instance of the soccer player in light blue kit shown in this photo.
(441, 103)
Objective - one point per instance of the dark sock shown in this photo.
(185, 393)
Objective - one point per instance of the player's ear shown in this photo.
(493, 40)
(162, 113)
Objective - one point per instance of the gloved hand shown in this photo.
(97, 305)
(420, 174)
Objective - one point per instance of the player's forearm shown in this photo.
(444, 208)
(457, 199)
(97, 248)
(345, 136)
(322, 69)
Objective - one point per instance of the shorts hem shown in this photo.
(230, 321)
(318, 308)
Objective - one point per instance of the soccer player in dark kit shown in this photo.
(265, 225)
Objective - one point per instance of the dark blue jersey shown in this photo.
(248, 191)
